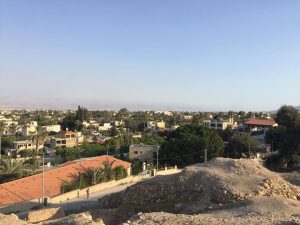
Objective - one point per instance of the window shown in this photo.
(135, 152)
(219, 125)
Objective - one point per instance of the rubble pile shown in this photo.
(273, 187)
(208, 219)
(204, 186)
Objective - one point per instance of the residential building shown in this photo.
(22, 145)
(219, 123)
(257, 128)
(52, 128)
(58, 142)
(143, 153)
(160, 125)
(256, 125)
(66, 139)
(137, 135)
(30, 188)
(151, 124)
(105, 127)
(188, 117)
(27, 130)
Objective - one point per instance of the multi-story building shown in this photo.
(143, 153)
(219, 123)
(257, 129)
(52, 128)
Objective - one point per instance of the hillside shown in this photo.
(223, 187)
(221, 191)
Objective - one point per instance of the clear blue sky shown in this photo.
(209, 55)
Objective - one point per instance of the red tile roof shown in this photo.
(261, 122)
(29, 188)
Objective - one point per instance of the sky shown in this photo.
(192, 54)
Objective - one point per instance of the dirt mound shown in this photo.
(11, 219)
(212, 185)
(205, 219)
(75, 219)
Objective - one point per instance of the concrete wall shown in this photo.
(95, 188)
(28, 205)
(168, 172)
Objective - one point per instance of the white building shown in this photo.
(105, 127)
(52, 128)
(27, 130)
(219, 123)
(22, 145)
(161, 125)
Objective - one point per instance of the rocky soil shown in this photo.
(221, 191)
(208, 219)
(204, 187)
(236, 187)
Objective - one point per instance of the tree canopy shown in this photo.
(286, 137)
(186, 145)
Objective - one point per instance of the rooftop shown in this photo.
(29, 188)
(261, 122)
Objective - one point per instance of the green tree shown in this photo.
(13, 129)
(93, 176)
(70, 122)
(238, 145)
(286, 137)
(107, 169)
(187, 144)
(38, 137)
(226, 134)
(10, 169)
(82, 114)
(113, 131)
(119, 172)
(2, 129)
(26, 153)
(288, 117)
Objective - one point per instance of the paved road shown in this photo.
(85, 203)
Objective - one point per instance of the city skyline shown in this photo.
(198, 56)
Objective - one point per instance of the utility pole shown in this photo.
(157, 156)
(205, 155)
(43, 181)
(107, 150)
(249, 149)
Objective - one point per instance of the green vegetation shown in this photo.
(238, 145)
(12, 169)
(286, 138)
(186, 145)
(38, 138)
(2, 127)
(94, 176)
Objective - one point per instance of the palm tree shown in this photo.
(107, 169)
(10, 166)
(38, 138)
(93, 176)
(13, 128)
(2, 128)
